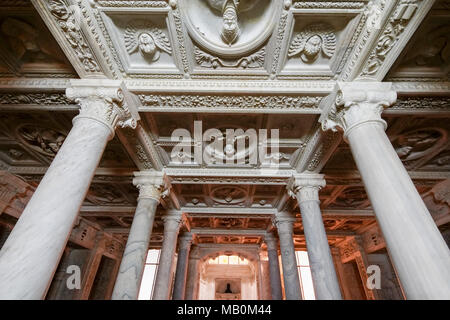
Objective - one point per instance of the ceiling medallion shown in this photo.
(228, 195)
(230, 28)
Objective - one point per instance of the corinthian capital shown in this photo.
(305, 187)
(355, 103)
(284, 222)
(106, 101)
(151, 184)
(172, 221)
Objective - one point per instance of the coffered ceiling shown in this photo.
(273, 73)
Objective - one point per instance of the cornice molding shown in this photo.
(221, 87)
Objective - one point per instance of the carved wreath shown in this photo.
(312, 40)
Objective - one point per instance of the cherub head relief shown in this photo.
(313, 40)
(147, 39)
(230, 28)
(229, 10)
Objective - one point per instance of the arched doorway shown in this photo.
(230, 276)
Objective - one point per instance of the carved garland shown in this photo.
(206, 60)
(230, 102)
(373, 13)
(329, 5)
(402, 16)
(35, 98)
(73, 34)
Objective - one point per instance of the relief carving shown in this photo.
(313, 40)
(229, 29)
(416, 144)
(43, 140)
(206, 60)
(73, 34)
(401, 18)
(228, 195)
(142, 36)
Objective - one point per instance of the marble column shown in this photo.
(284, 223)
(184, 245)
(164, 275)
(419, 253)
(305, 187)
(192, 274)
(151, 185)
(274, 267)
(31, 254)
(264, 276)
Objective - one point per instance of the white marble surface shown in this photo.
(32, 252)
(164, 276)
(419, 253)
(182, 264)
(192, 274)
(133, 261)
(326, 284)
(289, 262)
(274, 267)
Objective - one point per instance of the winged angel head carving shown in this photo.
(146, 38)
(313, 40)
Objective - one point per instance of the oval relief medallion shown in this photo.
(230, 28)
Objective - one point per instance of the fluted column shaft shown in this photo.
(163, 277)
(182, 264)
(131, 269)
(306, 188)
(289, 262)
(274, 267)
(31, 254)
(418, 250)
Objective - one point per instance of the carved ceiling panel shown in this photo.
(351, 197)
(27, 49)
(210, 41)
(421, 143)
(145, 42)
(32, 139)
(228, 38)
(317, 43)
(233, 196)
(428, 53)
(343, 226)
(234, 140)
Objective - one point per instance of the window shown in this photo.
(304, 273)
(228, 260)
(149, 276)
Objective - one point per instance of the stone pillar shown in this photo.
(274, 267)
(184, 245)
(305, 188)
(419, 253)
(192, 275)
(265, 291)
(284, 223)
(150, 184)
(30, 255)
(163, 277)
